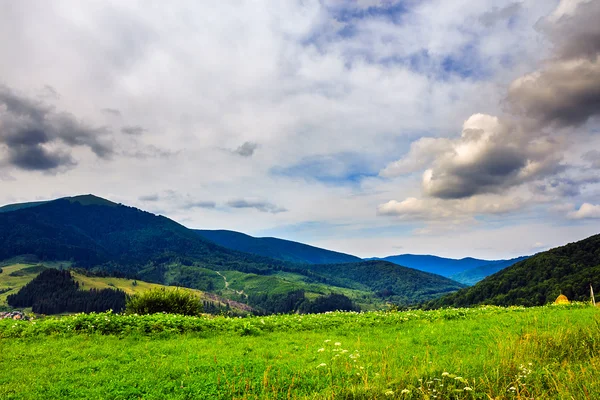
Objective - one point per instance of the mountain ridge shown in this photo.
(280, 249)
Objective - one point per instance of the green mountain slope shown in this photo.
(537, 280)
(93, 233)
(280, 249)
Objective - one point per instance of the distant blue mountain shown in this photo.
(474, 275)
(449, 267)
(279, 249)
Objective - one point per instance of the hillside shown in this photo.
(400, 284)
(279, 249)
(447, 267)
(537, 280)
(16, 276)
(474, 275)
(102, 236)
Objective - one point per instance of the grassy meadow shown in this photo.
(550, 352)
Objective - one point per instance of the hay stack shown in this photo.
(562, 299)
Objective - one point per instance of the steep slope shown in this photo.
(447, 267)
(93, 231)
(537, 280)
(280, 249)
(474, 275)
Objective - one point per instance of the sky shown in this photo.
(454, 128)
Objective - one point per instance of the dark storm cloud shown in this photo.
(262, 206)
(247, 149)
(36, 137)
(133, 130)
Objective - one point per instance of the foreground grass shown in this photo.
(542, 353)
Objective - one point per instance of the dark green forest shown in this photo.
(55, 292)
(538, 280)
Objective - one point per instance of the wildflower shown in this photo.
(321, 350)
(468, 389)
(445, 373)
(405, 391)
(337, 344)
(321, 365)
(328, 340)
(389, 392)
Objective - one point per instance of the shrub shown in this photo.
(162, 300)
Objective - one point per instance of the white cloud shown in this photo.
(586, 211)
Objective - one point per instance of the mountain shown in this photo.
(279, 249)
(474, 275)
(447, 267)
(96, 234)
(538, 280)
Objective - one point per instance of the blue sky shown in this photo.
(364, 126)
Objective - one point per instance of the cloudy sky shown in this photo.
(456, 128)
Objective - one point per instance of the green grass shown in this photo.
(548, 352)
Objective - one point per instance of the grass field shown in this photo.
(548, 352)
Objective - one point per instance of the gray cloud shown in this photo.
(133, 130)
(199, 204)
(593, 157)
(494, 154)
(150, 151)
(247, 149)
(37, 137)
(575, 32)
(262, 206)
(491, 18)
(149, 197)
(111, 111)
(566, 92)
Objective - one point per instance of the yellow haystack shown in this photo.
(562, 299)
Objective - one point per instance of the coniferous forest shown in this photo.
(55, 292)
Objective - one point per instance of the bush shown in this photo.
(162, 300)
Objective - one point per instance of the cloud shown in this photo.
(491, 18)
(490, 156)
(593, 157)
(586, 211)
(144, 152)
(247, 149)
(133, 130)
(199, 204)
(36, 137)
(150, 197)
(565, 93)
(262, 206)
(431, 209)
(495, 154)
(111, 111)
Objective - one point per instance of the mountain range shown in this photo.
(99, 235)
(280, 249)
(466, 270)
